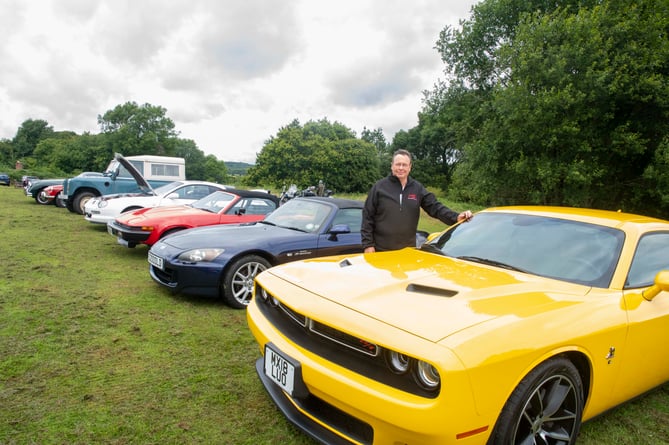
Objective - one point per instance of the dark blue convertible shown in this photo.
(223, 259)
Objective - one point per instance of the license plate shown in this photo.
(155, 260)
(279, 370)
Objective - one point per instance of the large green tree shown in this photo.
(133, 129)
(566, 103)
(29, 134)
(318, 151)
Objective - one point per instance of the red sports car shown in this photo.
(51, 194)
(148, 225)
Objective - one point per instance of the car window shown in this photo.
(650, 258)
(214, 202)
(550, 247)
(166, 188)
(195, 191)
(301, 214)
(351, 217)
(253, 206)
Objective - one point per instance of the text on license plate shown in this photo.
(155, 260)
(280, 370)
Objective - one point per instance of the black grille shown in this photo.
(348, 351)
(167, 276)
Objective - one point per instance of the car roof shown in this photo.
(608, 218)
(342, 203)
(252, 194)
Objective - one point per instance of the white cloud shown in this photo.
(229, 73)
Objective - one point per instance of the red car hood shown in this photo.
(150, 215)
(430, 295)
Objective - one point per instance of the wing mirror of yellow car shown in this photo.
(661, 284)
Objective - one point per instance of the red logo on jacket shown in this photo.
(412, 196)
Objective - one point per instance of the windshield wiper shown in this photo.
(490, 262)
(295, 228)
(266, 222)
(431, 248)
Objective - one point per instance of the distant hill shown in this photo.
(237, 168)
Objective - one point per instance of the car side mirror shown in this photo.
(240, 212)
(173, 196)
(338, 229)
(661, 284)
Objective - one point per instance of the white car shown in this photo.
(106, 208)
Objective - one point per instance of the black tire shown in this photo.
(40, 199)
(80, 200)
(237, 285)
(59, 201)
(544, 409)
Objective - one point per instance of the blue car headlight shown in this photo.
(199, 255)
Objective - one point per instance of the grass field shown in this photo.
(92, 351)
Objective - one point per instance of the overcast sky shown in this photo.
(230, 73)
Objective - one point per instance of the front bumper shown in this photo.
(360, 410)
(129, 234)
(97, 218)
(201, 279)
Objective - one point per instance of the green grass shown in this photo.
(92, 351)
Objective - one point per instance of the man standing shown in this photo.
(392, 209)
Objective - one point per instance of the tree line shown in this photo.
(129, 129)
(553, 103)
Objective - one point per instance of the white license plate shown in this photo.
(155, 261)
(280, 370)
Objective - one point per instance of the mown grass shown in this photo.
(92, 351)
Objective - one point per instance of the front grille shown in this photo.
(344, 339)
(356, 354)
(167, 276)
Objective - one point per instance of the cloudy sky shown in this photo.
(230, 73)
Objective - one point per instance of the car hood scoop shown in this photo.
(430, 295)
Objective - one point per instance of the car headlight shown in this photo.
(199, 255)
(426, 376)
(397, 362)
(103, 203)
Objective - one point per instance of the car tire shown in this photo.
(237, 285)
(547, 403)
(80, 200)
(39, 199)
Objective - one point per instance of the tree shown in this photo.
(139, 130)
(319, 150)
(28, 136)
(557, 103)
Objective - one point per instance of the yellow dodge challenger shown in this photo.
(511, 328)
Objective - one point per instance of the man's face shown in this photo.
(401, 166)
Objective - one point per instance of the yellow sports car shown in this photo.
(511, 328)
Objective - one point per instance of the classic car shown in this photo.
(50, 195)
(5, 179)
(35, 187)
(105, 208)
(512, 328)
(232, 206)
(223, 260)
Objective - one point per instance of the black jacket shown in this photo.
(390, 216)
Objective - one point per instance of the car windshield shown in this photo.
(550, 247)
(215, 202)
(163, 189)
(300, 214)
